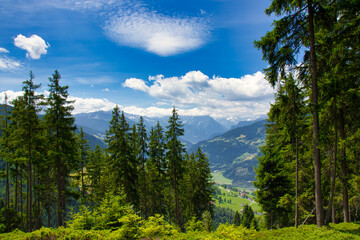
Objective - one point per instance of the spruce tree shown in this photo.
(175, 162)
(237, 219)
(26, 141)
(62, 142)
(292, 33)
(155, 168)
(121, 166)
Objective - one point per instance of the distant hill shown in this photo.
(235, 152)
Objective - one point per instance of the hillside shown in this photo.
(235, 151)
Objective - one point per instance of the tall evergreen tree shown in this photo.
(155, 168)
(292, 33)
(83, 159)
(26, 140)
(237, 219)
(95, 170)
(175, 162)
(62, 141)
(122, 167)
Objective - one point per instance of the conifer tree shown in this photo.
(83, 159)
(26, 140)
(155, 168)
(292, 33)
(62, 142)
(95, 170)
(175, 162)
(122, 167)
(237, 219)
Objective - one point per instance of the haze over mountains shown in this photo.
(197, 128)
(233, 151)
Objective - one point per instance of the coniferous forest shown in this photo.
(51, 172)
(145, 185)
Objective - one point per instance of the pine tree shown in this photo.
(121, 166)
(83, 159)
(248, 218)
(26, 141)
(155, 168)
(95, 170)
(237, 219)
(62, 141)
(294, 31)
(174, 156)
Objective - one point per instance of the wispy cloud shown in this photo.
(8, 63)
(157, 33)
(3, 50)
(35, 46)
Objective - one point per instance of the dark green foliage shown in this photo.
(237, 219)
(62, 142)
(248, 218)
(9, 220)
(222, 216)
(121, 166)
(175, 164)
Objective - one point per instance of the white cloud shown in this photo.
(81, 105)
(156, 33)
(3, 50)
(8, 64)
(11, 95)
(35, 46)
(245, 97)
(86, 105)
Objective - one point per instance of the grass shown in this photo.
(236, 201)
(220, 179)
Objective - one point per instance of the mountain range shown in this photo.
(232, 151)
(197, 128)
(235, 152)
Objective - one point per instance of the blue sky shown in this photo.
(144, 55)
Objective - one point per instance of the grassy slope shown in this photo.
(220, 179)
(236, 201)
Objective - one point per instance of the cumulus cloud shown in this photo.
(81, 105)
(35, 46)
(86, 105)
(156, 33)
(246, 97)
(197, 88)
(11, 95)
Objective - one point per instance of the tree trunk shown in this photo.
(330, 207)
(344, 171)
(296, 184)
(317, 162)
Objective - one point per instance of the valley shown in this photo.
(233, 152)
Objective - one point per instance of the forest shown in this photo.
(51, 169)
(310, 161)
(145, 185)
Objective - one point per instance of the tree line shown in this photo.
(310, 161)
(50, 169)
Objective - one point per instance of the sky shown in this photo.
(144, 55)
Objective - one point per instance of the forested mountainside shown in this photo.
(235, 152)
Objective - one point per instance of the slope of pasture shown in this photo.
(231, 199)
